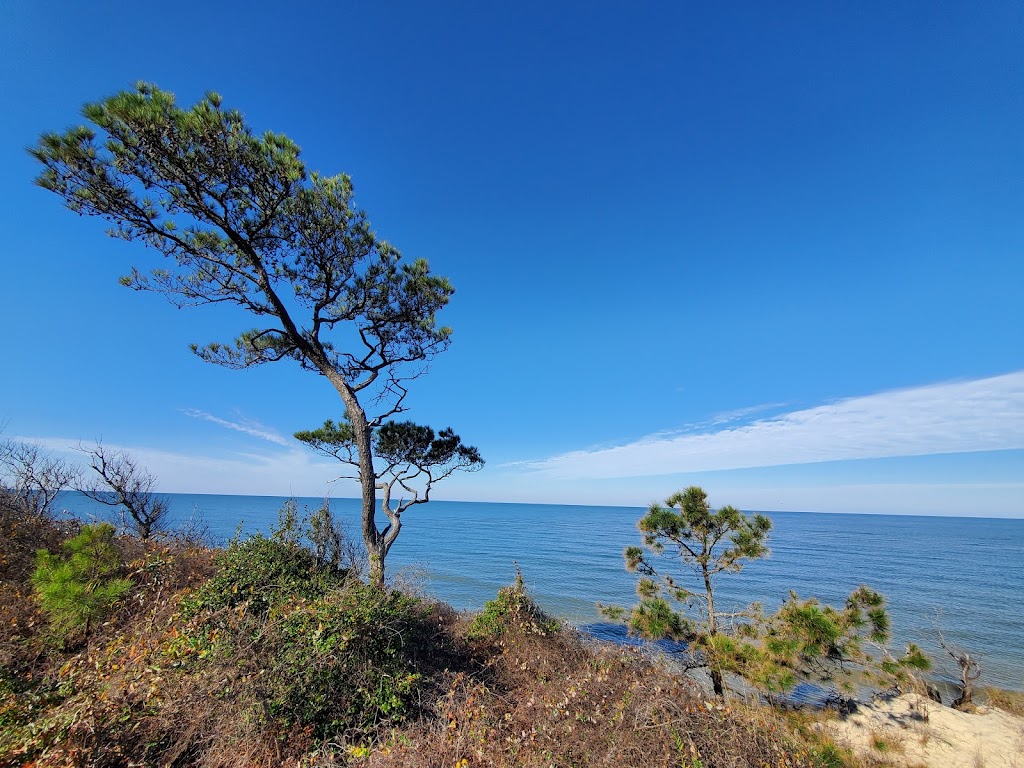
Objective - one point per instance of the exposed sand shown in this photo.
(911, 730)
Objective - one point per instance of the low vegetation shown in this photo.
(804, 640)
(1008, 701)
(270, 652)
(130, 650)
(80, 586)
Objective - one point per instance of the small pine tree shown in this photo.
(849, 646)
(80, 588)
(803, 640)
(707, 542)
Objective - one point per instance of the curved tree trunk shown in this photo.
(969, 672)
(361, 433)
(375, 545)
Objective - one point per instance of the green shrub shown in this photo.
(512, 611)
(80, 588)
(343, 662)
(262, 571)
(829, 756)
(311, 647)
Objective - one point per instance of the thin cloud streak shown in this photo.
(952, 417)
(741, 413)
(275, 473)
(250, 428)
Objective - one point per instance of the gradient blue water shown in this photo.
(964, 576)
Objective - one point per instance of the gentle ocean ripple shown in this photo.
(962, 575)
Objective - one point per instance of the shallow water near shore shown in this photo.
(963, 576)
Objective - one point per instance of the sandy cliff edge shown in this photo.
(911, 730)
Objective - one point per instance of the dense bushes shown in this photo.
(261, 572)
(316, 649)
(343, 663)
(264, 654)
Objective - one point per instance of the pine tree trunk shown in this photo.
(361, 435)
(376, 569)
(717, 681)
(375, 546)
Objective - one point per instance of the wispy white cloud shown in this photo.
(274, 472)
(725, 417)
(247, 426)
(952, 417)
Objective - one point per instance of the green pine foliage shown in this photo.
(847, 646)
(80, 587)
(804, 640)
(705, 542)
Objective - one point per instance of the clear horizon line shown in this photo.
(748, 510)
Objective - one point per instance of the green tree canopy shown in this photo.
(241, 221)
(409, 460)
(804, 639)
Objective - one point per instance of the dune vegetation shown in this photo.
(117, 650)
(142, 645)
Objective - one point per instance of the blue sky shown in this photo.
(776, 251)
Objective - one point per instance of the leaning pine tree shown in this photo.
(242, 222)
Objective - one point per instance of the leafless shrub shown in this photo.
(121, 482)
(333, 544)
(970, 670)
(33, 477)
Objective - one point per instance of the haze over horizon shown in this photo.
(777, 252)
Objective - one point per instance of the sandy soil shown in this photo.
(911, 730)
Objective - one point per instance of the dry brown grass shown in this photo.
(1008, 701)
(561, 701)
(151, 689)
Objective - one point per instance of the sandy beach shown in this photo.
(912, 731)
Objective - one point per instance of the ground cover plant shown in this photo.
(262, 653)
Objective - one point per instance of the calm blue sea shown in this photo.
(963, 576)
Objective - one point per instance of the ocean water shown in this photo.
(963, 577)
